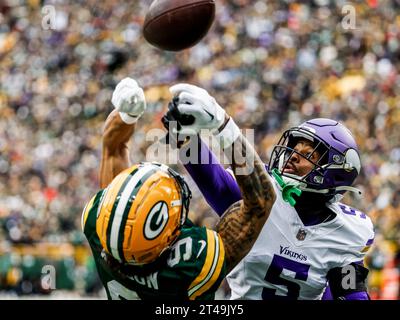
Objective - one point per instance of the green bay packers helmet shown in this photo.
(141, 213)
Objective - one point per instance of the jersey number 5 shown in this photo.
(273, 276)
(176, 255)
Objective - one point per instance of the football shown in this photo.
(175, 25)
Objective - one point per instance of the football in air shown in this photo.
(175, 25)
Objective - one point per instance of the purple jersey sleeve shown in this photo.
(327, 294)
(217, 186)
(362, 295)
(359, 294)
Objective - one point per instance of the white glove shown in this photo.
(208, 114)
(195, 101)
(128, 98)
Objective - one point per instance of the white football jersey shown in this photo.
(292, 260)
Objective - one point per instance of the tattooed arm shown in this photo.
(216, 184)
(241, 224)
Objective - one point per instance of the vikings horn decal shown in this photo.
(156, 220)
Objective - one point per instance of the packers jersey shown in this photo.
(193, 269)
(292, 261)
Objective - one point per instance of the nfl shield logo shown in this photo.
(301, 234)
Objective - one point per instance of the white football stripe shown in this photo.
(83, 217)
(116, 223)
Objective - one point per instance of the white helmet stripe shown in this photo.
(116, 223)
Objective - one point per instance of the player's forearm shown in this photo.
(240, 226)
(115, 151)
(112, 165)
(256, 187)
(116, 133)
(218, 187)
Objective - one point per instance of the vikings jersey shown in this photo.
(292, 261)
(193, 269)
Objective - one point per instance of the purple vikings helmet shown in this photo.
(338, 166)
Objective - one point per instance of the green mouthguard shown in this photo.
(287, 189)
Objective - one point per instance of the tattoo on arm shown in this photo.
(242, 222)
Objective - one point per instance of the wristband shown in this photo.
(127, 118)
(227, 136)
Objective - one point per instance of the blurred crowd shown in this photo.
(271, 64)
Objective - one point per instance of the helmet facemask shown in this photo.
(186, 195)
(330, 174)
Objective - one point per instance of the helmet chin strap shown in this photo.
(303, 187)
(341, 188)
(287, 189)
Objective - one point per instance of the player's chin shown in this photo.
(290, 171)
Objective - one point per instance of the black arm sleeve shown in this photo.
(348, 279)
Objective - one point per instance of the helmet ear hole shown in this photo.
(339, 178)
(353, 159)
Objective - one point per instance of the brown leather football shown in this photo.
(175, 25)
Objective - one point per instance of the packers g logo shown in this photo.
(156, 220)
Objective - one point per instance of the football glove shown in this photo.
(202, 112)
(174, 116)
(196, 102)
(128, 98)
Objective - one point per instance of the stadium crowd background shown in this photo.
(271, 64)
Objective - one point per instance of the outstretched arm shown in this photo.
(217, 185)
(129, 102)
(240, 226)
(115, 152)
